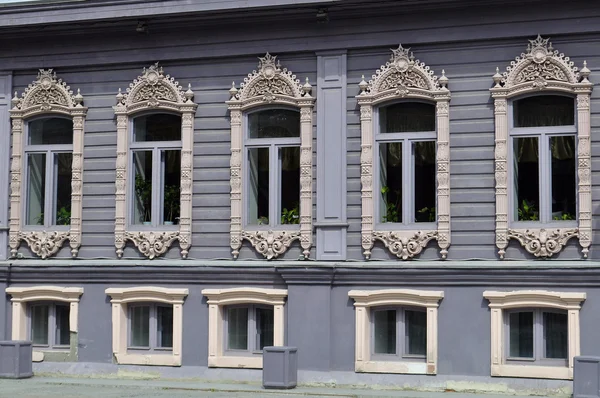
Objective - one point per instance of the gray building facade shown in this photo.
(477, 296)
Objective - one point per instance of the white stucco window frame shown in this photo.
(541, 69)
(46, 96)
(403, 77)
(120, 298)
(271, 86)
(21, 296)
(366, 300)
(154, 91)
(218, 299)
(502, 301)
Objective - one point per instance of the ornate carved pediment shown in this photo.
(540, 66)
(45, 92)
(270, 81)
(405, 245)
(269, 243)
(403, 74)
(542, 242)
(152, 244)
(44, 244)
(152, 88)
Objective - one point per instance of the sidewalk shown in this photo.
(55, 387)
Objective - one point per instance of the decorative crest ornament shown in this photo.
(403, 77)
(542, 68)
(155, 91)
(46, 96)
(271, 85)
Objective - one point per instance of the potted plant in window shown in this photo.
(63, 216)
(392, 214)
(172, 195)
(143, 192)
(290, 216)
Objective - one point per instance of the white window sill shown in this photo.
(400, 367)
(148, 359)
(533, 371)
(235, 362)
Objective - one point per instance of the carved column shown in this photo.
(187, 160)
(236, 181)
(443, 175)
(366, 177)
(76, 183)
(584, 172)
(121, 183)
(500, 172)
(306, 128)
(15, 182)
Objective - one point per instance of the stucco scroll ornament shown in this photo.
(44, 244)
(271, 244)
(152, 244)
(405, 246)
(543, 243)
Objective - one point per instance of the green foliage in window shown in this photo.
(172, 195)
(290, 216)
(528, 211)
(143, 192)
(63, 216)
(39, 220)
(263, 220)
(427, 213)
(392, 214)
(564, 217)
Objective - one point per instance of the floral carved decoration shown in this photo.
(152, 244)
(405, 246)
(271, 244)
(543, 243)
(44, 244)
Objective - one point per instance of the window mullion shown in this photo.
(51, 325)
(49, 190)
(156, 186)
(407, 182)
(251, 331)
(400, 332)
(545, 172)
(153, 324)
(274, 172)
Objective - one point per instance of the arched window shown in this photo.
(155, 130)
(46, 191)
(271, 161)
(405, 157)
(542, 111)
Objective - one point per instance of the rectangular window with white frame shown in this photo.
(399, 334)
(150, 327)
(155, 149)
(544, 168)
(48, 152)
(405, 142)
(248, 329)
(49, 325)
(272, 153)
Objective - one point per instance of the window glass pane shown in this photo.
(289, 158)
(390, 174)
(264, 327)
(544, 110)
(140, 326)
(157, 127)
(171, 164)
(274, 123)
(526, 178)
(36, 188)
(62, 335)
(416, 332)
(237, 328)
(564, 205)
(258, 186)
(521, 334)
(385, 331)
(62, 203)
(165, 326)
(142, 203)
(406, 117)
(424, 183)
(51, 131)
(39, 324)
(556, 335)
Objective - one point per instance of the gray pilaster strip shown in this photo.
(5, 89)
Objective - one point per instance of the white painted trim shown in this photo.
(120, 297)
(46, 96)
(364, 300)
(271, 85)
(405, 77)
(154, 91)
(501, 301)
(22, 295)
(523, 76)
(217, 299)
